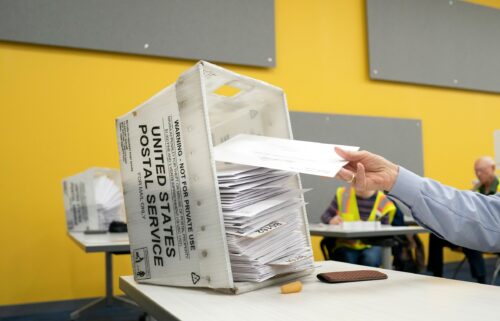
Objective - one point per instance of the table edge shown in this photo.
(146, 303)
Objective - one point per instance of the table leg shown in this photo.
(76, 314)
(109, 278)
(387, 257)
(125, 301)
(108, 300)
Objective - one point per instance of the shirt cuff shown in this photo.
(407, 186)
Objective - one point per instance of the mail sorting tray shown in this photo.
(93, 199)
(172, 201)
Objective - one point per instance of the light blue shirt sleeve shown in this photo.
(464, 218)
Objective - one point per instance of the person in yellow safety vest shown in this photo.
(352, 205)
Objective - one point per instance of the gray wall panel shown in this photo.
(399, 140)
(231, 31)
(435, 42)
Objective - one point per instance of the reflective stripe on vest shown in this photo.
(344, 207)
(386, 207)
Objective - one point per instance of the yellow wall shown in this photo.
(59, 107)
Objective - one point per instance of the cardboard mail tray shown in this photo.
(93, 199)
(172, 201)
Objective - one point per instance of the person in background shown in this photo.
(487, 181)
(353, 205)
(435, 263)
(464, 218)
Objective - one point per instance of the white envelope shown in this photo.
(283, 154)
(264, 232)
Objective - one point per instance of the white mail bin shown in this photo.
(93, 199)
(174, 215)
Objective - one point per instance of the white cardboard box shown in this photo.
(85, 202)
(172, 201)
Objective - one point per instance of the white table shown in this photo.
(109, 243)
(403, 296)
(338, 231)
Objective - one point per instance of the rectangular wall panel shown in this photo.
(399, 140)
(446, 43)
(230, 31)
(496, 142)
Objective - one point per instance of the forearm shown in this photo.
(462, 217)
(328, 215)
(330, 212)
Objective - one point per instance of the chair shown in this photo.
(497, 270)
(466, 258)
(459, 266)
(327, 245)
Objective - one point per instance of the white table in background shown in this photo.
(109, 243)
(338, 231)
(403, 296)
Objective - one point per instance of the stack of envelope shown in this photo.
(264, 229)
(109, 198)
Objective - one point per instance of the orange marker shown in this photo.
(291, 287)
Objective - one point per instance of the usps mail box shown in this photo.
(93, 199)
(172, 200)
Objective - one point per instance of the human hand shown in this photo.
(367, 171)
(336, 220)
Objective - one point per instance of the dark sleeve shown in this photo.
(399, 219)
(330, 212)
(385, 220)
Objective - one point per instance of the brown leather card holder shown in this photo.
(351, 276)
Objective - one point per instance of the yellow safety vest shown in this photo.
(347, 208)
(496, 186)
